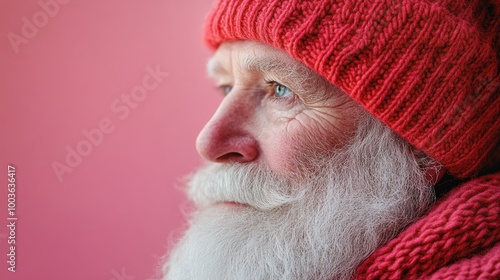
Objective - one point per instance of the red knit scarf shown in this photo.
(458, 239)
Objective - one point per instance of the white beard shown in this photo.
(319, 225)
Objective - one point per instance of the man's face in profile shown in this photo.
(301, 183)
(276, 112)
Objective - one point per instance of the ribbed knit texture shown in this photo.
(428, 69)
(458, 239)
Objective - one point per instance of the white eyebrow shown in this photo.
(271, 64)
(291, 73)
(289, 70)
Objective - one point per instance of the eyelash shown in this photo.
(226, 89)
(274, 84)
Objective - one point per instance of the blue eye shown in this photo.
(281, 91)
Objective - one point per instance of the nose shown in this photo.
(228, 135)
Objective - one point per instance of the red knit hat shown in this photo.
(428, 69)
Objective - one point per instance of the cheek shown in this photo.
(287, 150)
(278, 152)
(293, 141)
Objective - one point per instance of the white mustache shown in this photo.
(345, 205)
(246, 184)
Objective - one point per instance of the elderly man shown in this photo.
(356, 139)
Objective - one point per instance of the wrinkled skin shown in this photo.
(275, 109)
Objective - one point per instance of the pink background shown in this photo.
(111, 217)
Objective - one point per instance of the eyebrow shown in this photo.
(270, 64)
(292, 72)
